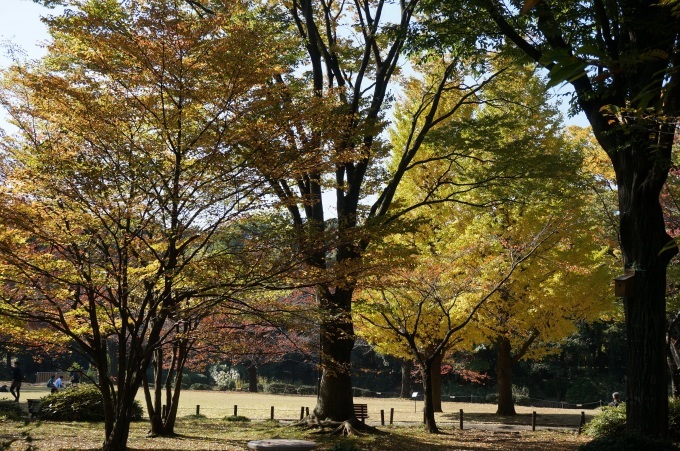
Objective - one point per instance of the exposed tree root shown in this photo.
(344, 428)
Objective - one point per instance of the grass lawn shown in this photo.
(483, 429)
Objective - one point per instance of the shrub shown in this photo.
(11, 410)
(363, 392)
(200, 387)
(280, 387)
(611, 422)
(82, 403)
(582, 390)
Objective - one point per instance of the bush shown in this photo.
(582, 390)
(363, 392)
(611, 422)
(280, 387)
(200, 387)
(82, 403)
(11, 410)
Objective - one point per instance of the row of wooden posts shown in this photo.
(305, 411)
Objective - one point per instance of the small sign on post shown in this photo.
(414, 395)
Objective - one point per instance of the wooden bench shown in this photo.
(361, 412)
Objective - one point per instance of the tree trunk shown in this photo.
(643, 236)
(252, 378)
(674, 370)
(406, 368)
(436, 378)
(335, 400)
(506, 404)
(428, 408)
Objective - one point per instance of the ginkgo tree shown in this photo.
(502, 172)
(122, 166)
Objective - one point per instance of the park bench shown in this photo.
(361, 412)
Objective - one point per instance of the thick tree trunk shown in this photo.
(406, 368)
(436, 378)
(506, 404)
(335, 400)
(643, 236)
(428, 408)
(252, 378)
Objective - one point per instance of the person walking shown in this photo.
(17, 378)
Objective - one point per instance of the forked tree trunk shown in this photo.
(337, 340)
(506, 404)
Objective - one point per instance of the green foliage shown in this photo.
(583, 390)
(82, 403)
(611, 424)
(237, 419)
(11, 410)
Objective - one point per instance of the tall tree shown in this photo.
(620, 57)
(322, 132)
(123, 167)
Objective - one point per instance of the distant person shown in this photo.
(58, 384)
(75, 379)
(17, 378)
(4, 389)
(50, 382)
(616, 399)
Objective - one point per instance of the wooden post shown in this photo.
(272, 414)
(533, 420)
(461, 419)
(391, 415)
(581, 422)
(307, 411)
(302, 413)
(382, 417)
(198, 409)
(235, 410)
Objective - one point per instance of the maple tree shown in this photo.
(619, 58)
(123, 167)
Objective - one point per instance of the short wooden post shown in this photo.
(272, 414)
(533, 420)
(198, 409)
(581, 422)
(461, 419)
(382, 417)
(302, 413)
(391, 415)
(235, 410)
(307, 411)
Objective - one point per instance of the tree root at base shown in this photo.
(344, 428)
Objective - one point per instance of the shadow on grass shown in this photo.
(567, 420)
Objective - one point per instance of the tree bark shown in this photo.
(506, 404)
(406, 368)
(335, 401)
(252, 378)
(428, 408)
(436, 377)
